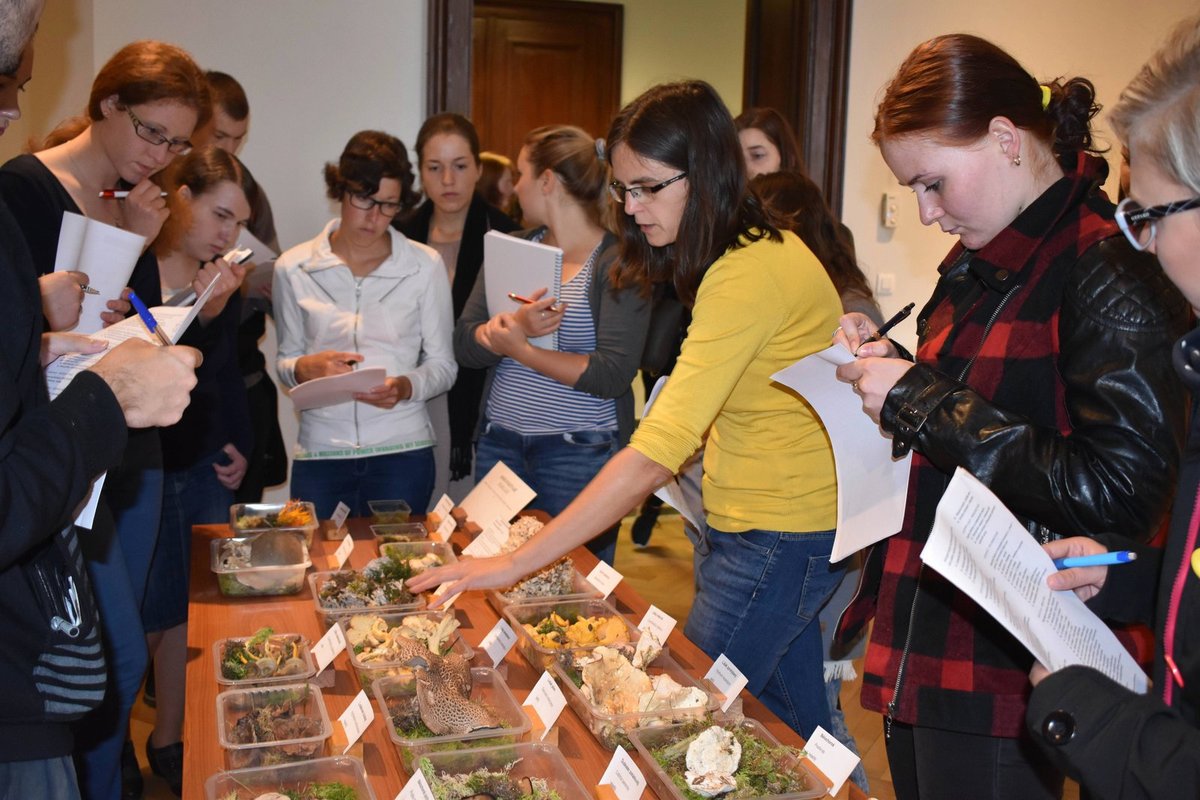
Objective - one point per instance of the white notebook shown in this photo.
(522, 267)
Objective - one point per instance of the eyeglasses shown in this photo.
(366, 203)
(642, 194)
(180, 147)
(1138, 224)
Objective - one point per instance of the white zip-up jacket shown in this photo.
(399, 317)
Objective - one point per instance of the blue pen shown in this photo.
(1098, 560)
(148, 318)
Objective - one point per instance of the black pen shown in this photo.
(900, 316)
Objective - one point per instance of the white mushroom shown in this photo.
(712, 758)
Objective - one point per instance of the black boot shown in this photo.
(132, 784)
(167, 763)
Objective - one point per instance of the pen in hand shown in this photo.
(516, 298)
(149, 319)
(1097, 560)
(899, 317)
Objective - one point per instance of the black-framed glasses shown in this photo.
(366, 203)
(1138, 224)
(642, 194)
(180, 147)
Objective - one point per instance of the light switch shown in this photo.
(888, 210)
(885, 285)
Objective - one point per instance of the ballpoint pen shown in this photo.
(149, 319)
(516, 298)
(89, 290)
(899, 317)
(1097, 560)
(120, 194)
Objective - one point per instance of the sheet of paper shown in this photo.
(499, 496)
(106, 253)
(872, 486)
(690, 505)
(832, 760)
(623, 776)
(979, 546)
(520, 266)
(355, 720)
(547, 701)
(334, 389)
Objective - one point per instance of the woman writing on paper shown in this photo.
(760, 301)
(1118, 744)
(1042, 368)
(557, 416)
(360, 293)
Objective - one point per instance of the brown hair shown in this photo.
(148, 71)
(572, 154)
(687, 127)
(228, 94)
(201, 170)
(447, 123)
(795, 203)
(953, 86)
(776, 128)
(492, 169)
(368, 158)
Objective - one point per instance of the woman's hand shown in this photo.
(1085, 581)
(118, 308)
(61, 344)
(388, 393)
(503, 335)
(539, 317)
(145, 210)
(229, 277)
(498, 572)
(62, 298)
(1037, 672)
(324, 364)
(855, 328)
(872, 378)
(231, 475)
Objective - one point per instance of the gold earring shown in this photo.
(1016, 162)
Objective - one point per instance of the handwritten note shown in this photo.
(357, 717)
(728, 679)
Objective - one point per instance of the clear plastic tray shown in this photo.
(400, 532)
(368, 671)
(389, 511)
(541, 657)
(239, 510)
(237, 704)
(536, 760)
(403, 550)
(278, 560)
(302, 652)
(248, 784)
(613, 729)
(646, 740)
(487, 688)
(580, 590)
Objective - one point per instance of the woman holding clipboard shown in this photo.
(557, 416)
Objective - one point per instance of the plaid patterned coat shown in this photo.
(1044, 369)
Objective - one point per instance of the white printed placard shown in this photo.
(499, 640)
(417, 788)
(604, 578)
(357, 717)
(332, 643)
(343, 552)
(445, 529)
(623, 776)
(833, 761)
(728, 679)
(489, 541)
(443, 508)
(547, 701)
(657, 622)
(500, 495)
(340, 515)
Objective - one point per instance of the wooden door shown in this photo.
(542, 62)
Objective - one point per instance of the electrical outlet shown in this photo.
(888, 210)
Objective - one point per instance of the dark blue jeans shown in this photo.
(758, 594)
(325, 482)
(555, 465)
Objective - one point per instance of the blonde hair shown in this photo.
(1158, 114)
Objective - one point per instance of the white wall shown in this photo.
(1098, 39)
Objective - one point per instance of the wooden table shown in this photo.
(212, 616)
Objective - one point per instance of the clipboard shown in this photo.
(512, 264)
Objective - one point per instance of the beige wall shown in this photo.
(1102, 41)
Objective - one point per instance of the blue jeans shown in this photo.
(44, 777)
(757, 598)
(555, 465)
(191, 496)
(406, 476)
(118, 553)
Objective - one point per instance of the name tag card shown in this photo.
(499, 640)
(547, 701)
(622, 778)
(656, 626)
(443, 508)
(340, 515)
(604, 578)
(332, 643)
(489, 541)
(445, 528)
(500, 495)
(343, 552)
(356, 718)
(417, 788)
(728, 679)
(829, 759)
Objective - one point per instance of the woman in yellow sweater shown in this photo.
(760, 301)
